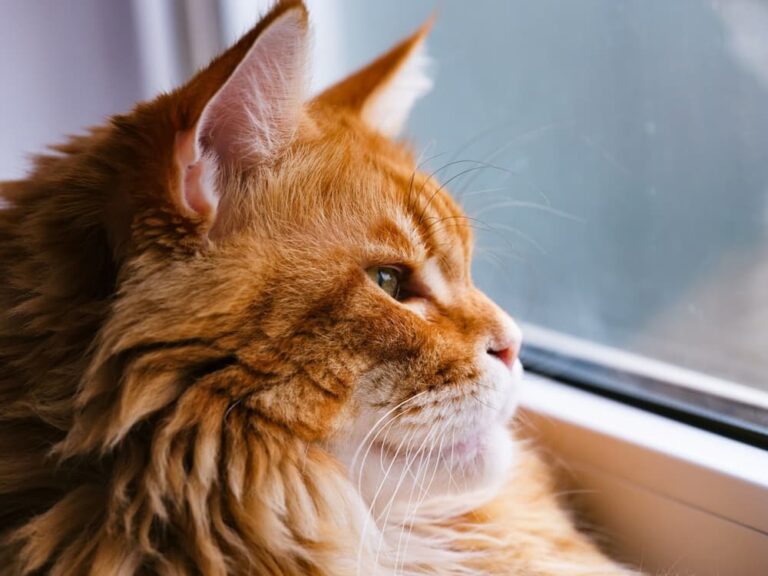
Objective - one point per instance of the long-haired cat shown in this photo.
(239, 336)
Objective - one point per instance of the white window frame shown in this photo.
(670, 497)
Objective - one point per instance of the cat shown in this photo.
(239, 336)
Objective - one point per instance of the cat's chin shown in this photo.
(403, 463)
(401, 482)
(481, 460)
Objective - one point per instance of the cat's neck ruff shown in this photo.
(434, 538)
(429, 534)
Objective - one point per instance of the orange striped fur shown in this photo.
(197, 376)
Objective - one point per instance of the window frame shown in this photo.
(674, 498)
(727, 408)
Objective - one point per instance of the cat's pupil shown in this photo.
(388, 279)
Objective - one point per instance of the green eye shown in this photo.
(387, 278)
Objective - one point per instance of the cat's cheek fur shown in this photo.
(456, 444)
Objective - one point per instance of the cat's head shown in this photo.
(287, 271)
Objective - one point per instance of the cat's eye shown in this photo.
(386, 278)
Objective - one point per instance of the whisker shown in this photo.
(603, 151)
(421, 161)
(424, 451)
(480, 191)
(479, 165)
(483, 226)
(516, 140)
(533, 206)
(369, 440)
(495, 229)
(390, 502)
(490, 129)
(423, 492)
(372, 505)
(493, 258)
(380, 420)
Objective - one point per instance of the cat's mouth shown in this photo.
(467, 438)
(444, 443)
(447, 463)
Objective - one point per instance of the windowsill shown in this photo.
(673, 497)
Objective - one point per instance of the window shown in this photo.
(613, 155)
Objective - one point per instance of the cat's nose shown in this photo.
(505, 343)
(506, 354)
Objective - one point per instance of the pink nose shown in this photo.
(506, 353)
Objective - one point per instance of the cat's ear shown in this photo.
(384, 92)
(245, 107)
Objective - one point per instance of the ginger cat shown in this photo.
(239, 336)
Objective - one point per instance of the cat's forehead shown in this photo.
(409, 210)
(433, 220)
(361, 188)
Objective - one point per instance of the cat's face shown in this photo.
(373, 303)
(314, 280)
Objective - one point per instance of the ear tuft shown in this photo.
(388, 108)
(384, 92)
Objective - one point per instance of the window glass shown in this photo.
(615, 158)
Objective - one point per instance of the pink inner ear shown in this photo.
(251, 117)
(196, 185)
(257, 110)
(197, 195)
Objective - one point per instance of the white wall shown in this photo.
(64, 65)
